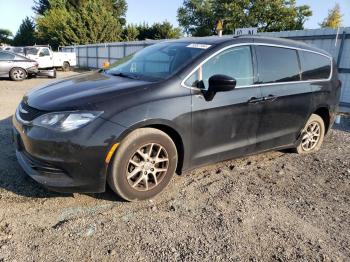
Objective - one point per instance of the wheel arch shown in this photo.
(168, 128)
(324, 113)
(18, 67)
(177, 139)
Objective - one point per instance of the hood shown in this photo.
(82, 92)
(32, 57)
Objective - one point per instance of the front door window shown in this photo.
(235, 62)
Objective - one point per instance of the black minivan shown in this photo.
(174, 106)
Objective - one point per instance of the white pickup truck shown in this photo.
(47, 59)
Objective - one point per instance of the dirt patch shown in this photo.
(276, 206)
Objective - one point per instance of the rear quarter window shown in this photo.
(277, 64)
(315, 66)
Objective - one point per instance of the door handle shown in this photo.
(270, 98)
(255, 100)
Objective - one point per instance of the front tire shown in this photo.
(312, 135)
(143, 165)
(18, 74)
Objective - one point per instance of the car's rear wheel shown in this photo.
(312, 135)
(143, 165)
(18, 74)
(66, 67)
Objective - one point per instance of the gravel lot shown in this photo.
(276, 206)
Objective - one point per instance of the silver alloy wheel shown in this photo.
(147, 167)
(311, 136)
(18, 74)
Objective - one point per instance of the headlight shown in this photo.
(66, 121)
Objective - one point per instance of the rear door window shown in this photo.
(314, 66)
(277, 64)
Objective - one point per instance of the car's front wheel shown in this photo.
(312, 135)
(143, 165)
(18, 74)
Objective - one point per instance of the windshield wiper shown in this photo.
(120, 74)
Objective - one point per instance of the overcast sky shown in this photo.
(12, 12)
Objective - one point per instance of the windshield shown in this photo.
(31, 51)
(18, 50)
(157, 62)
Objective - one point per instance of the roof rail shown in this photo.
(238, 36)
(38, 45)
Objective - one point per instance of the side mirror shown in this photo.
(41, 54)
(219, 83)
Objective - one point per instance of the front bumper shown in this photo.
(66, 162)
(43, 173)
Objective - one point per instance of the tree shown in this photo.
(69, 22)
(26, 33)
(334, 18)
(131, 33)
(145, 31)
(277, 15)
(164, 30)
(118, 7)
(303, 14)
(199, 17)
(40, 6)
(5, 36)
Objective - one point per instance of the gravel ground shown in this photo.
(276, 206)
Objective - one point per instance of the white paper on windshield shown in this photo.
(200, 46)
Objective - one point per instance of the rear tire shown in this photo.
(312, 135)
(66, 67)
(18, 74)
(143, 165)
